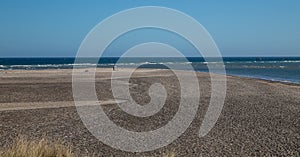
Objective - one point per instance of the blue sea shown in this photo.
(285, 69)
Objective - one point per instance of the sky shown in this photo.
(56, 28)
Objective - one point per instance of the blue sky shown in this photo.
(56, 28)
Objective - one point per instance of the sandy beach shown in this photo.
(259, 118)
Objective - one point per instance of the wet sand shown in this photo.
(259, 118)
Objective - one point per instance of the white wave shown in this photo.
(285, 61)
(260, 67)
(293, 61)
(50, 65)
(212, 62)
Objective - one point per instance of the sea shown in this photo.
(284, 69)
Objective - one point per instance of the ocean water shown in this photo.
(286, 69)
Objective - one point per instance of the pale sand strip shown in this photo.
(68, 72)
(58, 104)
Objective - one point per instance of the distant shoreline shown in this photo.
(109, 69)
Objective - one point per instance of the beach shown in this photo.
(259, 117)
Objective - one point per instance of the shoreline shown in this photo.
(110, 69)
(267, 80)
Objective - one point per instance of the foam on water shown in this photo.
(270, 68)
